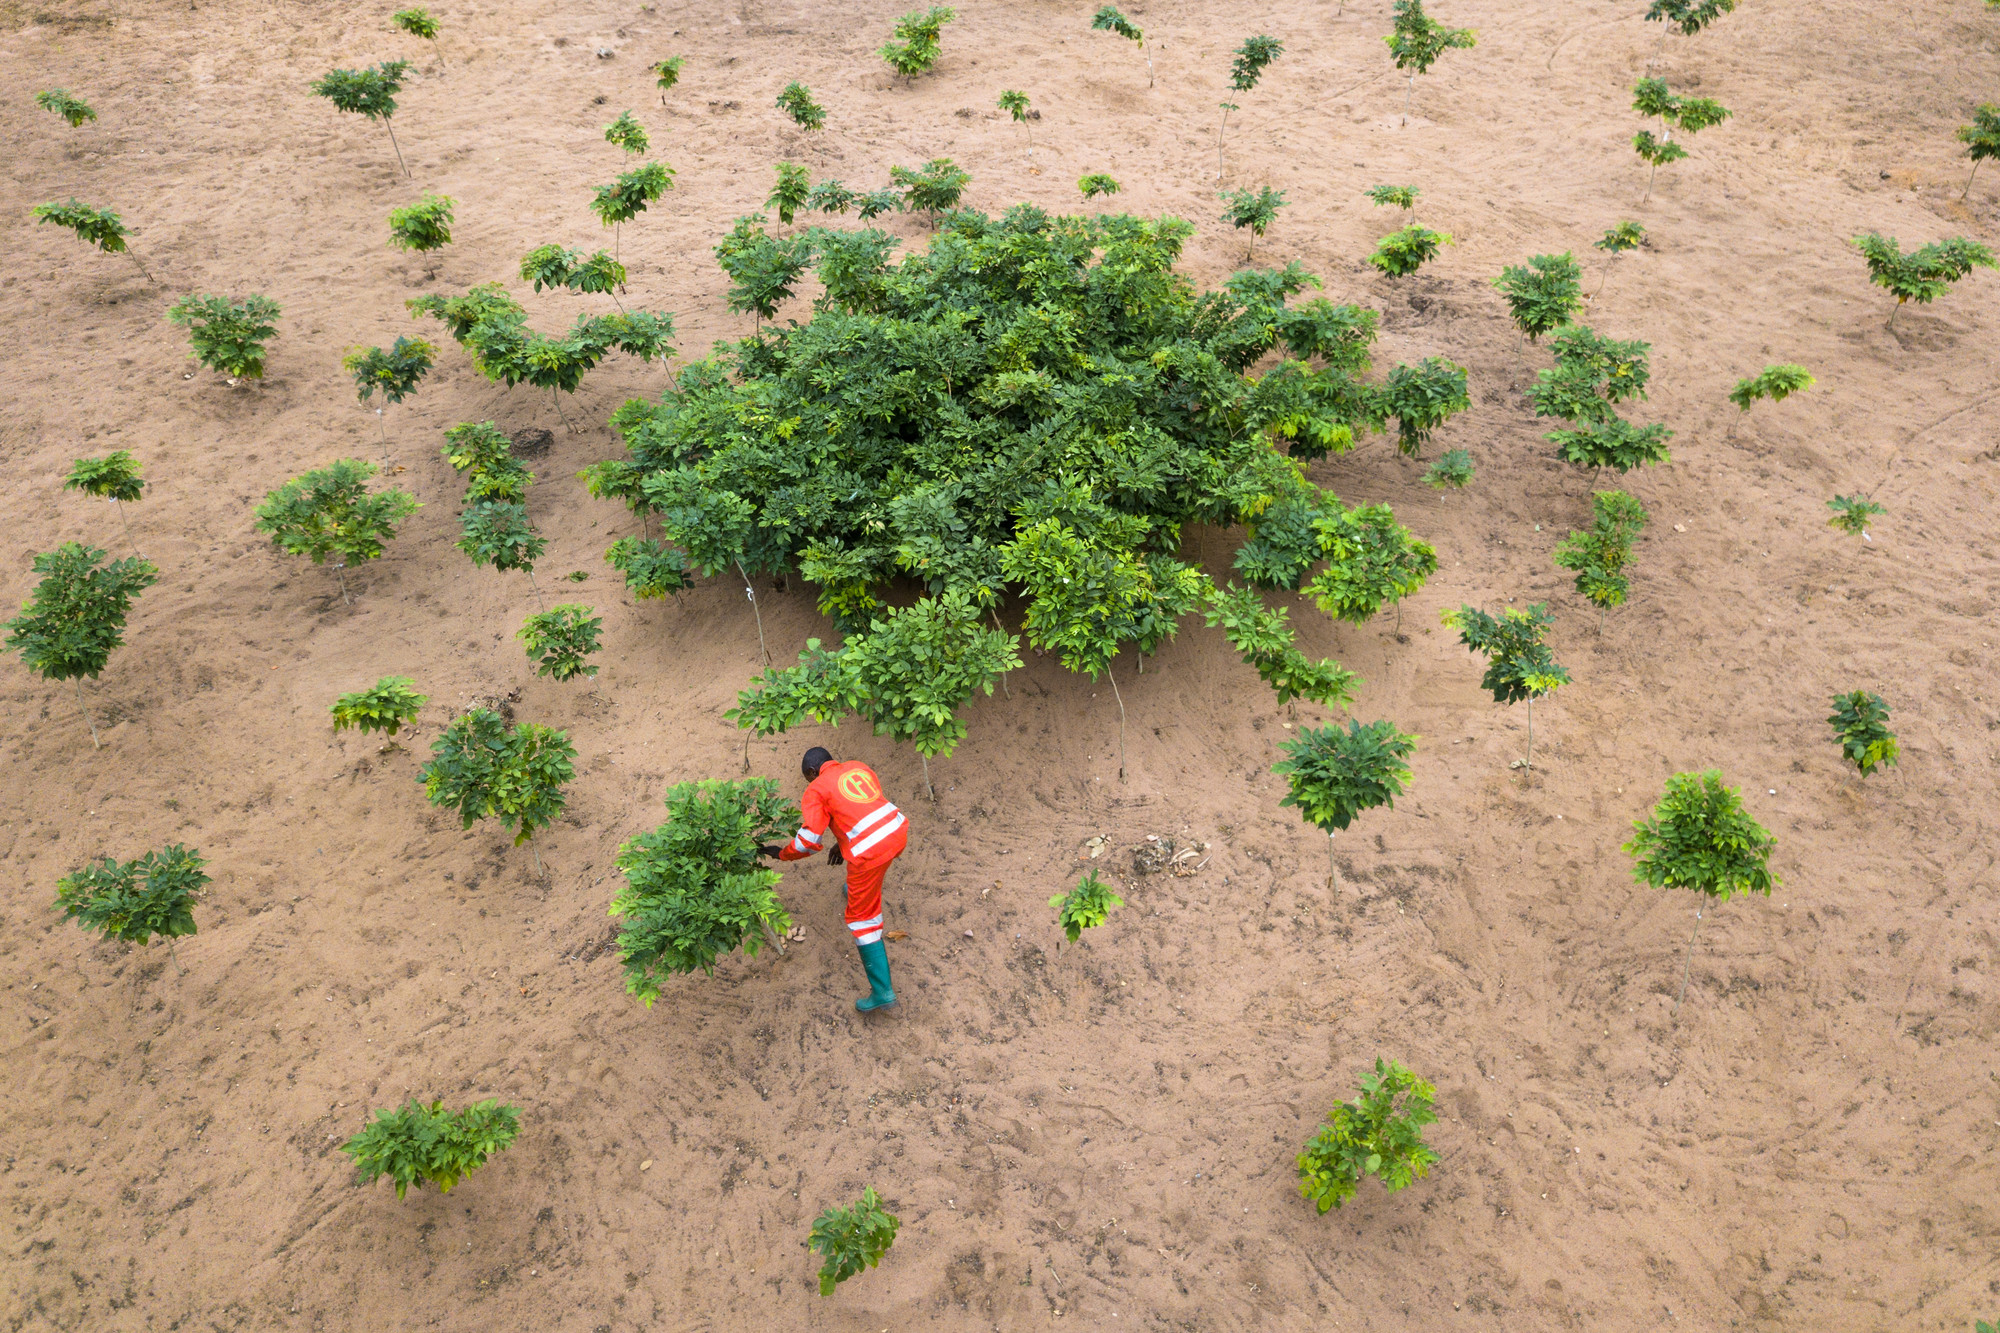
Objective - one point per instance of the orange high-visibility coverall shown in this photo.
(870, 832)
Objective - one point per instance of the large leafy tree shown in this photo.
(1031, 399)
(69, 628)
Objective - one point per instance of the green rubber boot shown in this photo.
(875, 962)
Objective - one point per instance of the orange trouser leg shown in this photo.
(864, 902)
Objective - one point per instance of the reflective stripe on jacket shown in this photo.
(847, 798)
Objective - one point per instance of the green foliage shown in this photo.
(72, 109)
(1422, 398)
(386, 706)
(1852, 512)
(628, 133)
(1108, 19)
(1263, 637)
(1372, 560)
(497, 533)
(1394, 196)
(417, 23)
(1453, 471)
(93, 226)
(112, 477)
(1380, 1133)
(492, 326)
(549, 266)
(918, 41)
(627, 197)
(367, 92)
(1924, 274)
(694, 889)
(423, 226)
(1095, 184)
(329, 513)
(797, 102)
(790, 193)
(1857, 724)
(1543, 294)
(651, 569)
(1407, 249)
(479, 450)
(1599, 556)
(1418, 39)
(152, 897)
(1029, 400)
(560, 638)
(877, 202)
(228, 336)
(852, 1239)
(1776, 383)
(764, 268)
(1615, 443)
(932, 190)
(481, 769)
(1625, 236)
(1699, 113)
(395, 372)
(832, 196)
(1518, 664)
(666, 73)
(1253, 209)
(428, 1145)
(1981, 139)
(1334, 775)
(1088, 904)
(1657, 152)
(1701, 838)
(1689, 16)
(77, 614)
(1249, 61)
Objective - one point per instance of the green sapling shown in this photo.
(1108, 19)
(1453, 471)
(388, 706)
(1518, 664)
(1701, 838)
(93, 226)
(1407, 249)
(115, 477)
(1981, 139)
(419, 23)
(628, 133)
(1255, 210)
(1333, 775)
(1380, 1134)
(1542, 294)
(68, 629)
(1088, 904)
(852, 1239)
(1015, 104)
(1776, 383)
(1095, 184)
(1852, 512)
(228, 336)
(428, 1145)
(559, 640)
(666, 73)
(72, 109)
(140, 901)
(330, 515)
(1417, 40)
(370, 93)
(1924, 274)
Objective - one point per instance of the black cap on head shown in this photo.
(815, 757)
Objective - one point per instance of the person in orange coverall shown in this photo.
(869, 832)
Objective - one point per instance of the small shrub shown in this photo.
(694, 887)
(666, 73)
(497, 533)
(329, 514)
(1394, 196)
(1249, 61)
(1617, 240)
(93, 226)
(138, 902)
(560, 638)
(1543, 294)
(112, 477)
(419, 23)
(1688, 16)
(651, 568)
(830, 196)
(228, 336)
(1015, 104)
(1599, 556)
(423, 226)
(1095, 184)
(796, 101)
(1453, 471)
(1615, 443)
(918, 41)
(76, 617)
(1416, 42)
(370, 93)
(1108, 19)
(628, 196)
(1333, 775)
(1857, 724)
(1088, 904)
(877, 202)
(765, 269)
(628, 133)
(72, 109)
(852, 1239)
(1407, 249)
(1518, 663)
(1700, 838)
(1924, 274)
(480, 768)
(428, 1145)
(1981, 139)
(1253, 209)
(1422, 398)
(1852, 512)
(1776, 383)
(790, 193)
(387, 706)
(1380, 1134)
(396, 372)
(932, 190)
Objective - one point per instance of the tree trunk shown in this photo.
(341, 579)
(149, 276)
(175, 954)
(771, 937)
(95, 743)
(746, 750)
(536, 588)
(1149, 73)
(1968, 181)
(1218, 146)
(1649, 183)
(1003, 629)
(1531, 737)
(556, 394)
(750, 592)
(538, 858)
(1689, 963)
(128, 529)
(925, 761)
(1332, 870)
(1893, 311)
(1408, 93)
(398, 147)
(1121, 719)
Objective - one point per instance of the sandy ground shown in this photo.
(1097, 1136)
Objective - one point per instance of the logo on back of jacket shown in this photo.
(859, 787)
